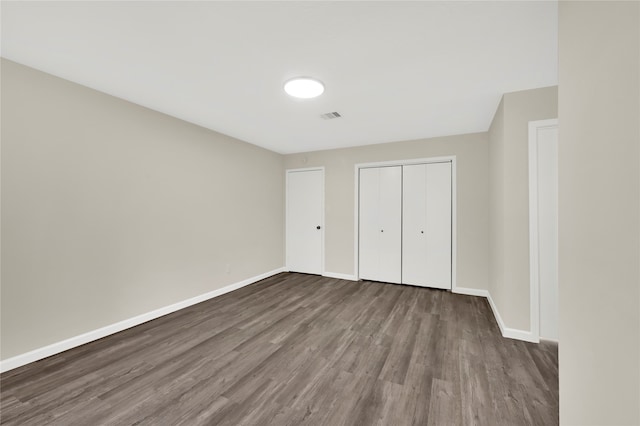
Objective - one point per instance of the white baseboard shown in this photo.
(340, 276)
(511, 333)
(55, 348)
(471, 291)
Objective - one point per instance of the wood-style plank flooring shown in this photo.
(298, 349)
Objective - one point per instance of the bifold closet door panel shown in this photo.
(438, 225)
(369, 223)
(390, 224)
(426, 236)
(380, 244)
(414, 239)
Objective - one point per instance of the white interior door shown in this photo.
(547, 150)
(438, 226)
(380, 207)
(305, 227)
(426, 246)
(369, 222)
(390, 224)
(414, 221)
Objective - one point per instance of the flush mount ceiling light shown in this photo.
(304, 87)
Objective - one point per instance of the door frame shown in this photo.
(286, 214)
(356, 218)
(534, 255)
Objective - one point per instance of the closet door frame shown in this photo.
(534, 234)
(356, 216)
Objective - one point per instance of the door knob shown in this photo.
(318, 227)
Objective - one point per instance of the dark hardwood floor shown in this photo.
(298, 349)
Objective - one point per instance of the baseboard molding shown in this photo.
(340, 276)
(55, 348)
(511, 333)
(471, 291)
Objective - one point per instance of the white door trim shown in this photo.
(286, 213)
(454, 244)
(534, 257)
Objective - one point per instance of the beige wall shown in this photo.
(110, 210)
(599, 203)
(509, 205)
(496, 205)
(472, 197)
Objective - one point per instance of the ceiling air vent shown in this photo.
(330, 115)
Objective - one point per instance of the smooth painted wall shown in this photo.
(111, 210)
(496, 201)
(509, 200)
(599, 212)
(471, 151)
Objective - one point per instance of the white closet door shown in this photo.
(414, 239)
(438, 225)
(426, 250)
(304, 221)
(390, 224)
(381, 224)
(369, 223)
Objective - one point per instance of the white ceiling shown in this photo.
(394, 70)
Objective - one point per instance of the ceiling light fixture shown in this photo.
(304, 87)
